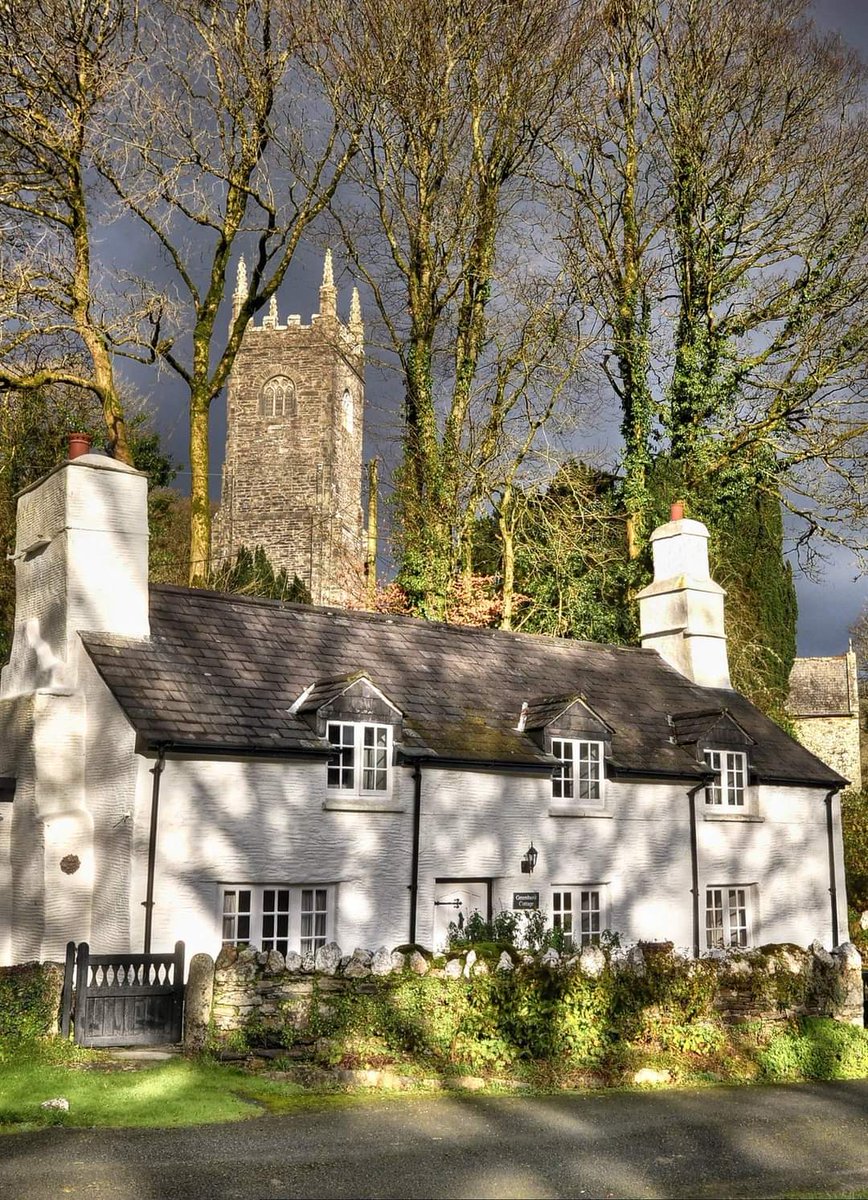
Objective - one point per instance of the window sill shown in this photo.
(579, 810)
(352, 803)
(746, 818)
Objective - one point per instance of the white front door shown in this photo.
(454, 903)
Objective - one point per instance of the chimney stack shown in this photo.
(681, 612)
(81, 563)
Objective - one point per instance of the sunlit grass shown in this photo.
(177, 1092)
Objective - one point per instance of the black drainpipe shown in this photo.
(148, 902)
(414, 862)
(694, 866)
(833, 889)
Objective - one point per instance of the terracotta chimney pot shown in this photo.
(676, 512)
(79, 443)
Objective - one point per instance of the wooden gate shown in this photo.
(123, 999)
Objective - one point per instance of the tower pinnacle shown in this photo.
(328, 293)
(357, 328)
(241, 288)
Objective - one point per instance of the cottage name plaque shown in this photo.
(525, 900)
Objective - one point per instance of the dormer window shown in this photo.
(728, 789)
(361, 758)
(579, 774)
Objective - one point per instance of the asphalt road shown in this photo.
(735, 1142)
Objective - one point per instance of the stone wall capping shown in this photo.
(247, 984)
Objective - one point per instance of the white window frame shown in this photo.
(272, 916)
(581, 761)
(729, 916)
(365, 760)
(730, 790)
(582, 911)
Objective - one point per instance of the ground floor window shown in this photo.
(578, 912)
(278, 916)
(727, 917)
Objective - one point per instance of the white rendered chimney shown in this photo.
(81, 564)
(681, 612)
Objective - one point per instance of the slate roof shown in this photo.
(220, 673)
(820, 687)
(693, 727)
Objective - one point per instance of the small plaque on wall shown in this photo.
(525, 900)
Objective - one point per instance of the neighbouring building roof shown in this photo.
(821, 687)
(221, 673)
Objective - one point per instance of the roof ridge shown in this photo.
(396, 618)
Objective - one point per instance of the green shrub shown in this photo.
(30, 1000)
(817, 1048)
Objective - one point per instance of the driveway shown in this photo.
(769, 1141)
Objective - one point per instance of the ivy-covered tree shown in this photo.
(251, 573)
(35, 425)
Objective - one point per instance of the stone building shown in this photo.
(293, 466)
(824, 705)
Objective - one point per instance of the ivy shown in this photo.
(29, 1000)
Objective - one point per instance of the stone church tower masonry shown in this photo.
(292, 476)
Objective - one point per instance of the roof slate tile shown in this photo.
(222, 671)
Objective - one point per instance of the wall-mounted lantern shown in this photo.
(529, 861)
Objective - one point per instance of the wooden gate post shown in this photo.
(81, 992)
(178, 996)
(66, 994)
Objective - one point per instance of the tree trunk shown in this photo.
(200, 500)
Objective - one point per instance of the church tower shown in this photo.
(292, 476)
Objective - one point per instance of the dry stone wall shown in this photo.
(266, 992)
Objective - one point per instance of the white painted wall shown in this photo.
(235, 821)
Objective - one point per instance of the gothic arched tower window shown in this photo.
(277, 398)
(347, 406)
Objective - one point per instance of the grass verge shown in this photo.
(102, 1093)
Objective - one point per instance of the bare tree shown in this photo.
(455, 104)
(62, 66)
(225, 146)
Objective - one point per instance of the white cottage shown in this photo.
(178, 764)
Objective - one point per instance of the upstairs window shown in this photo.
(727, 790)
(277, 398)
(361, 758)
(579, 774)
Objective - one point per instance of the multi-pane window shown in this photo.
(578, 912)
(236, 916)
(728, 788)
(579, 773)
(375, 761)
(314, 916)
(360, 757)
(277, 398)
(342, 764)
(726, 917)
(275, 919)
(278, 917)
